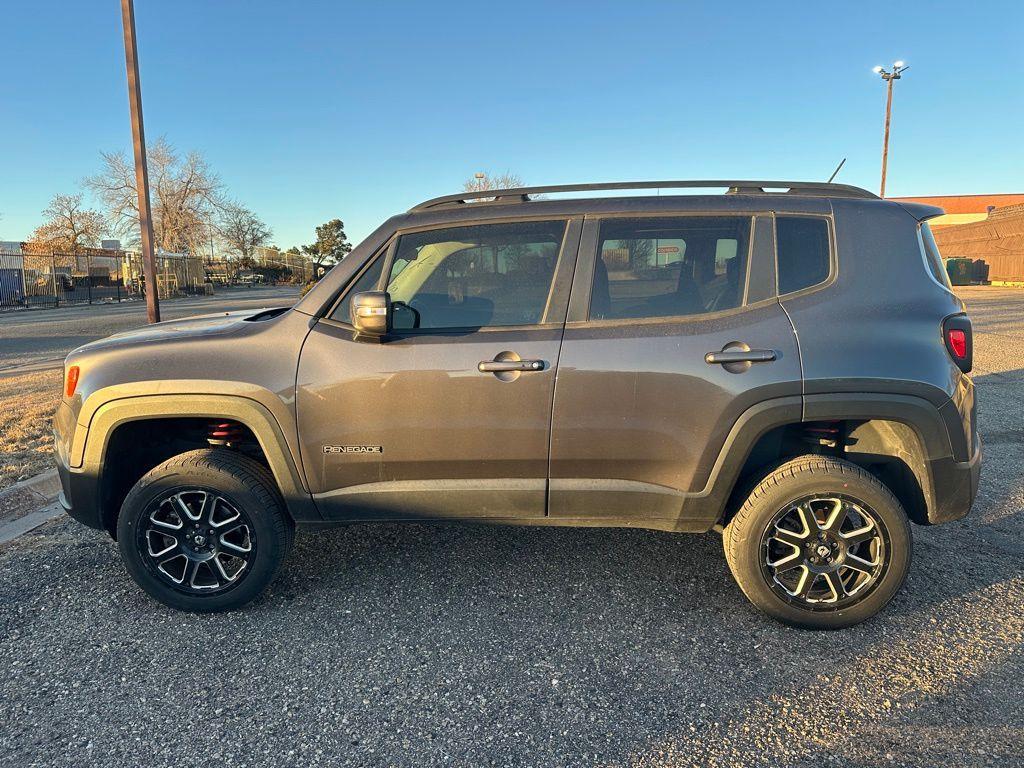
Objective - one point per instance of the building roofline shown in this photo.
(946, 197)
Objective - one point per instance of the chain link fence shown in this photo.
(56, 279)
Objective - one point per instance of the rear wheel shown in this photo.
(819, 543)
(204, 531)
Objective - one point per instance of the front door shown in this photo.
(641, 412)
(450, 415)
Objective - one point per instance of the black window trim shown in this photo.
(583, 283)
(381, 253)
(833, 259)
(926, 258)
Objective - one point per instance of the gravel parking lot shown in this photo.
(445, 645)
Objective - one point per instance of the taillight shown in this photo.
(71, 381)
(959, 338)
(957, 342)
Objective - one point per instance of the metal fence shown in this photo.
(55, 279)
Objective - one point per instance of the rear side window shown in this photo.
(802, 245)
(669, 267)
(932, 257)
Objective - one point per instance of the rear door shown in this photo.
(641, 411)
(431, 423)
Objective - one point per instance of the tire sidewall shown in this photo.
(258, 574)
(789, 489)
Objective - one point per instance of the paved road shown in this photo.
(441, 645)
(41, 338)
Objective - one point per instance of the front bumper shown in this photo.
(79, 495)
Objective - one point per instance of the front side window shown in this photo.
(476, 276)
(801, 245)
(367, 281)
(666, 267)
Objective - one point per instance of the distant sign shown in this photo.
(668, 249)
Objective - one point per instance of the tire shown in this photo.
(842, 509)
(205, 531)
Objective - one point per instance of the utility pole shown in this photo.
(131, 58)
(890, 77)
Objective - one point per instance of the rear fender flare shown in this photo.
(931, 441)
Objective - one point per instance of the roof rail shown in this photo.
(522, 194)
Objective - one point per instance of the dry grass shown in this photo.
(27, 403)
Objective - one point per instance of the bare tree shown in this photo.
(68, 226)
(481, 182)
(186, 195)
(241, 230)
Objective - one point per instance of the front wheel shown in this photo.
(204, 531)
(819, 543)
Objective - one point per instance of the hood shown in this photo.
(214, 324)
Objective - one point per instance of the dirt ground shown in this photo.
(27, 403)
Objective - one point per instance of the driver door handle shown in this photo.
(740, 356)
(507, 366)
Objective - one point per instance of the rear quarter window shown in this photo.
(932, 257)
(802, 248)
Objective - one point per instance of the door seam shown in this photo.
(558, 360)
(800, 360)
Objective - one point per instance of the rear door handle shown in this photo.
(727, 356)
(508, 366)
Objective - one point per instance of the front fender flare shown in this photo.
(92, 436)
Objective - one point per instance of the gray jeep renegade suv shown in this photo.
(784, 363)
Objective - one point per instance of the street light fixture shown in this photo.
(890, 76)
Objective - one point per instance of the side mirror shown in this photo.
(371, 313)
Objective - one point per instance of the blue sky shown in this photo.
(315, 110)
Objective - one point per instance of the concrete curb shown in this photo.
(29, 504)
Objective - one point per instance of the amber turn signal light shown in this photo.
(71, 381)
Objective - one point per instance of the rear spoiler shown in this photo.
(922, 212)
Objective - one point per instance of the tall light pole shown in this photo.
(890, 76)
(131, 58)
